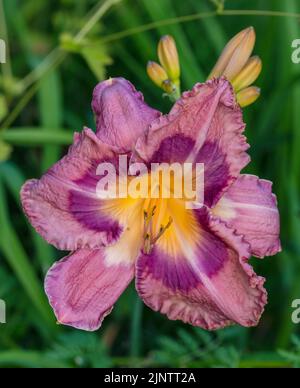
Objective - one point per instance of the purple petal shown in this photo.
(121, 113)
(250, 207)
(83, 287)
(204, 126)
(63, 206)
(210, 285)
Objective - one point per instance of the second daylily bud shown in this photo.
(248, 96)
(241, 55)
(248, 75)
(235, 55)
(168, 57)
(157, 73)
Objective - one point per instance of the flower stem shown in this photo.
(136, 324)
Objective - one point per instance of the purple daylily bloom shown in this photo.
(198, 271)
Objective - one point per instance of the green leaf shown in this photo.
(14, 253)
(94, 53)
(68, 43)
(50, 106)
(29, 359)
(37, 136)
(14, 179)
(97, 58)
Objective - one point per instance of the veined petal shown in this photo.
(63, 206)
(121, 113)
(204, 126)
(83, 287)
(207, 284)
(250, 208)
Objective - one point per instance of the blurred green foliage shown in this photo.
(45, 97)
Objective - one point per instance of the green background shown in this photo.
(43, 99)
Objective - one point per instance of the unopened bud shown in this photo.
(248, 75)
(168, 57)
(235, 55)
(241, 55)
(248, 96)
(156, 73)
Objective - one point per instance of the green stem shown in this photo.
(19, 107)
(95, 18)
(189, 18)
(135, 345)
(36, 136)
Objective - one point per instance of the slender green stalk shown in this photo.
(36, 136)
(95, 18)
(266, 13)
(194, 17)
(51, 61)
(136, 326)
(19, 107)
(152, 26)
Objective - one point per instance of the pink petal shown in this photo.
(121, 113)
(83, 287)
(211, 287)
(250, 207)
(204, 126)
(63, 207)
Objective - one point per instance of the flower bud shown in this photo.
(156, 73)
(235, 55)
(248, 75)
(248, 96)
(168, 57)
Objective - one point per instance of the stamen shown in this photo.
(147, 245)
(162, 230)
(151, 241)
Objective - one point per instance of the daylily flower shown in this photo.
(237, 65)
(196, 267)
